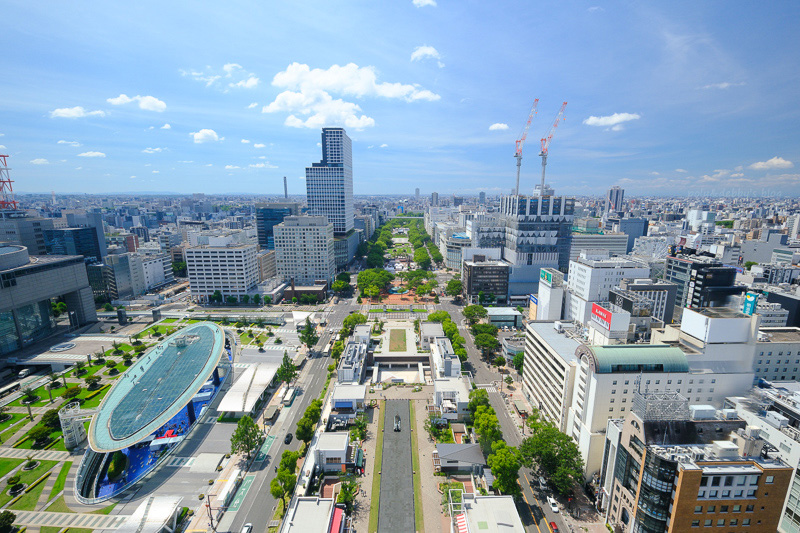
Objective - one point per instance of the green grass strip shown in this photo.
(61, 479)
(376, 479)
(420, 524)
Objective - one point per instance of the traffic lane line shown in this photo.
(539, 504)
(533, 515)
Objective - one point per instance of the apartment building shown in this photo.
(304, 249)
(232, 270)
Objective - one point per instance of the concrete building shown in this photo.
(671, 473)
(428, 332)
(451, 397)
(631, 226)
(615, 243)
(592, 276)
(157, 270)
(504, 317)
(267, 265)
(550, 300)
(444, 362)
(125, 276)
(17, 228)
(270, 215)
(232, 270)
(777, 354)
(775, 273)
(772, 314)
(304, 249)
(549, 369)
(661, 293)
(353, 363)
(27, 285)
(615, 199)
(487, 277)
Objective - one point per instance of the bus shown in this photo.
(10, 389)
(289, 396)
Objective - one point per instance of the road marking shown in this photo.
(533, 515)
(245, 486)
(264, 450)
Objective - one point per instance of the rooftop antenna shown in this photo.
(285, 189)
(6, 190)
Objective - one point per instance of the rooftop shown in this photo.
(502, 311)
(781, 334)
(720, 312)
(245, 392)
(337, 440)
(560, 342)
(492, 514)
(638, 357)
(308, 514)
(156, 387)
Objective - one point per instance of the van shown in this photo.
(24, 373)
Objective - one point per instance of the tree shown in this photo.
(232, 300)
(92, 381)
(343, 276)
(257, 299)
(337, 350)
(373, 291)
(267, 300)
(246, 436)
(245, 298)
(439, 316)
(347, 494)
(50, 418)
(308, 335)
(486, 343)
(216, 297)
(749, 264)
(422, 259)
(286, 372)
(179, 268)
(499, 361)
(305, 429)
(555, 452)
(53, 377)
(519, 360)
(454, 288)
(7, 521)
(340, 286)
(282, 485)
(474, 312)
(477, 398)
(488, 329)
(504, 462)
(352, 321)
(40, 434)
(509, 380)
(488, 427)
(108, 307)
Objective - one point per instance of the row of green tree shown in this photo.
(554, 452)
(451, 331)
(256, 299)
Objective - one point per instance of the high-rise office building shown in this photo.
(232, 270)
(702, 281)
(482, 198)
(434, 198)
(17, 228)
(416, 194)
(73, 241)
(614, 199)
(270, 215)
(329, 183)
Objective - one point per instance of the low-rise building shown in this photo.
(459, 458)
(334, 453)
(353, 363)
(428, 331)
(444, 362)
(451, 397)
(504, 317)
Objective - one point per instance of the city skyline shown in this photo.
(695, 97)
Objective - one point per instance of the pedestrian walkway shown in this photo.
(71, 520)
(178, 462)
(49, 483)
(44, 455)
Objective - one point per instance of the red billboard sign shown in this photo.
(601, 316)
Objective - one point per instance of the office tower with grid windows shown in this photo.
(329, 183)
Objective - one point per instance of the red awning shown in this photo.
(461, 523)
(337, 524)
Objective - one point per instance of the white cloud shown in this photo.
(92, 154)
(230, 68)
(40, 161)
(78, 168)
(594, 9)
(156, 172)
(723, 85)
(185, 161)
(370, 147)
(426, 52)
(498, 126)
(251, 106)
(2, 134)
(152, 150)
(210, 165)
(737, 175)
(384, 145)
(166, 127)
(231, 167)
(205, 136)
(245, 141)
(681, 170)
(654, 173)
(133, 177)
(148, 103)
(75, 112)
(71, 143)
(612, 121)
(248, 83)
(423, 3)
(771, 164)
(308, 95)
(259, 145)
(262, 165)
(2, 147)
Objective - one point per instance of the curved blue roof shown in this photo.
(156, 387)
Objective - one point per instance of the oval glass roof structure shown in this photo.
(159, 385)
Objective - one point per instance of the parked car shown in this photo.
(553, 527)
(288, 438)
(247, 528)
(542, 483)
(552, 503)
(24, 373)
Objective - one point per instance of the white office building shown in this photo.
(592, 276)
(157, 270)
(615, 243)
(777, 354)
(232, 270)
(304, 249)
(329, 183)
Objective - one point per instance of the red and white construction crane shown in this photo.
(6, 191)
(549, 137)
(521, 142)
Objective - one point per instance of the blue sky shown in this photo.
(663, 99)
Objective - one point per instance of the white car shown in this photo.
(25, 372)
(552, 503)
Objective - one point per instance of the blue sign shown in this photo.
(534, 299)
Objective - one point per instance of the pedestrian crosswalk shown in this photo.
(46, 455)
(178, 462)
(488, 388)
(63, 520)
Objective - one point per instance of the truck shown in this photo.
(397, 422)
(289, 396)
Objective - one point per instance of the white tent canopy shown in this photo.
(245, 392)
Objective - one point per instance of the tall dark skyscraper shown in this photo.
(329, 183)
(614, 199)
(270, 215)
(73, 241)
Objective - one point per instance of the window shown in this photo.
(698, 509)
(713, 494)
(712, 509)
(749, 509)
(726, 494)
(695, 523)
(745, 521)
(737, 508)
(769, 479)
(720, 522)
(707, 523)
(734, 522)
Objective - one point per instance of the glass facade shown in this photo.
(25, 325)
(655, 494)
(9, 341)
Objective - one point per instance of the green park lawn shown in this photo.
(397, 340)
(28, 478)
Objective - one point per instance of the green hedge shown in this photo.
(95, 393)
